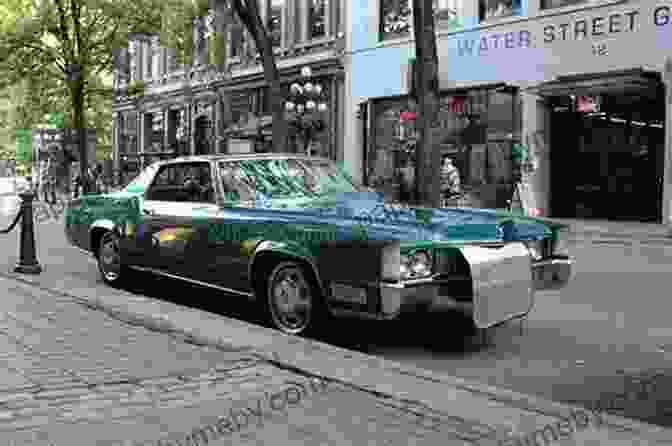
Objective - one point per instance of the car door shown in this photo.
(226, 252)
(173, 217)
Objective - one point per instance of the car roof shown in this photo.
(240, 157)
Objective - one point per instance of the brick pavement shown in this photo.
(89, 365)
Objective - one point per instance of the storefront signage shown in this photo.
(407, 116)
(580, 29)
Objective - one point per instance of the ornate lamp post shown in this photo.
(305, 103)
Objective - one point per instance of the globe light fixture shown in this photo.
(310, 105)
(306, 72)
(289, 105)
(322, 107)
(308, 87)
(318, 88)
(300, 108)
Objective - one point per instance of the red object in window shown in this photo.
(407, 115)
(456, 103)
(587, 104)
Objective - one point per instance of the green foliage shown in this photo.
(136, 88)
(39, 40)
(24, 145)
(217, 48)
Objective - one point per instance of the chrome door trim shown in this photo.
(195, 282)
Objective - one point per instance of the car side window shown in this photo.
(183, 182)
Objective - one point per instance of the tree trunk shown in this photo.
(79, 120)
(428, 157)
(249, 15)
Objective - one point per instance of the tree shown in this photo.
(428, 158)
(177, 32)
(70, 43)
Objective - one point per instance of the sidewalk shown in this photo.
(603, 231)
(86, 364)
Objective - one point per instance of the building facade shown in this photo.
(199, 109)
(582, 85)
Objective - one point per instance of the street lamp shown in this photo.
(305, 99)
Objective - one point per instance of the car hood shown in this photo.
(385, 221)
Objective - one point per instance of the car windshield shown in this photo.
(283, 178)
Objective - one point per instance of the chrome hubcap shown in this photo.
(290, 297)
(110, 262)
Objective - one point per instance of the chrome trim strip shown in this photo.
(550, 262)
(358, 314)
(196, 282)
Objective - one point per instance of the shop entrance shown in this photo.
(607, 154)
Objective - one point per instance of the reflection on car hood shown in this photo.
(385, 221)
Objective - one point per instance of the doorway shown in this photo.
(203, 135)
(607, 160)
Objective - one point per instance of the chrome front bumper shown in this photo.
(408, 296)
(404, 296)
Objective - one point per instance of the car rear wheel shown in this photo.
(292, 302)
(109, 261)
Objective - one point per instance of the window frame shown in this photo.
(543, 3)
(484, 18)
(185, 166)
(439, 25)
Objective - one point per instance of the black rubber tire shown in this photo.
(112, 278)
(318, 316)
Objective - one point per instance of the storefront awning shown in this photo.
(597, 83)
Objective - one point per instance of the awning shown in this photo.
(457, 91)
(598, 83)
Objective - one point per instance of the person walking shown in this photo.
(450, 180)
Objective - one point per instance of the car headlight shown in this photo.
(416, 265)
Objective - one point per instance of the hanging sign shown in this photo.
(407, 116)
(587, 104)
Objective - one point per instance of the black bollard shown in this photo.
(28, 263)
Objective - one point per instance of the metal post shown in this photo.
(28, 263)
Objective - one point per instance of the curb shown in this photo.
(160, 323)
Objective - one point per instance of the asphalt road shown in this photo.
(575, 346)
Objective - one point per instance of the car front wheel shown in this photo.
(109, 260)
(292, 301)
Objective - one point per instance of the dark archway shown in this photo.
(203, 135)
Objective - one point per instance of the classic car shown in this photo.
(303, 240)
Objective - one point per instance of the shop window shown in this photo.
(316, 19)
(489, 9)
(446, 14)
(548, 4)
(395, 18)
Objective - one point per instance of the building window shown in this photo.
(446, 14)
(133, 54)
(395, 18)
(547, 4)
(236, 38)
(129, 141)
(316, 18)
(275, 11)
(489, 9)
(148, 60)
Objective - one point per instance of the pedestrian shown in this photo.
(450, 180)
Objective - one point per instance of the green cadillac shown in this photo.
(307, 243)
